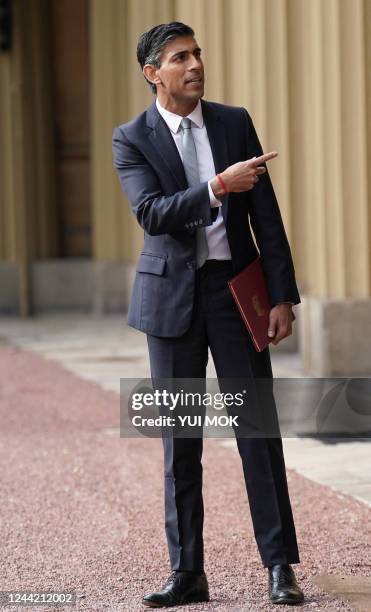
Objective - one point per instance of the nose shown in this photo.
(195, 63)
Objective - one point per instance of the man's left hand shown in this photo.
(280, 322)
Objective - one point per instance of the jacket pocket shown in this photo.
(151, 263)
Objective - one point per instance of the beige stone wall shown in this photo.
(303, 70)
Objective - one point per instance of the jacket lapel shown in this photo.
(161, 138)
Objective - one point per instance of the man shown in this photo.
(195, 175)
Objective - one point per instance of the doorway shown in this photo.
(69, 29)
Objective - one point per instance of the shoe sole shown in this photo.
(194, 599)
(287, 601)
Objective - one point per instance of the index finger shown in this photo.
(256, 161)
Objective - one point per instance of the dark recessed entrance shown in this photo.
(70, 76)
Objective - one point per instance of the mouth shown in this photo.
(195, 81)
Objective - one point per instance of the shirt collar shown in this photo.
(173, 121)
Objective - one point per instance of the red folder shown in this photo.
(249, 290)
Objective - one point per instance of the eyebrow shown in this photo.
(185, 51)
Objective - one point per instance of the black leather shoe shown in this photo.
(283, 588)
(180, 588)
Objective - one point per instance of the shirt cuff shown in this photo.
(214, 203)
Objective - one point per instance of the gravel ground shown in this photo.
(82, 509)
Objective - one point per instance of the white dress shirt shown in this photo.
(216, 234)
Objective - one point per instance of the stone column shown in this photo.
(329, 183)
(27, 199)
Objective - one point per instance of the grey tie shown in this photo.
(191, 170)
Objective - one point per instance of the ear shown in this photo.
(150, 72)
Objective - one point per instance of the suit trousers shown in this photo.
(217, 324)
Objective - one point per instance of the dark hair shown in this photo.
(152, 43)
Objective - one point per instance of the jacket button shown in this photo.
(190, 265)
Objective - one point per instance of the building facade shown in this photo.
(69, 75)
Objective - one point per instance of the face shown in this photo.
(180, 78)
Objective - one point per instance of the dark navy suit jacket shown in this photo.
(152, 176)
